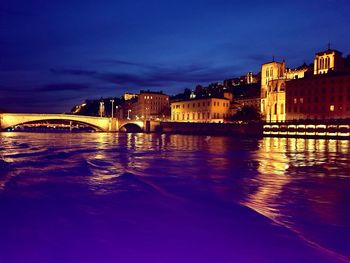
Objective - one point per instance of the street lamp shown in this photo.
(112, 107)
(129, 114)
(116, 110)
(102, 108)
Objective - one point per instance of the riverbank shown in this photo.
(314, 130)
(225, 129)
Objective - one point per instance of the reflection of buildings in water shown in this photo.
(297, 161)
(294, 192)
(271, 177)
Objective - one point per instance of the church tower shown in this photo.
(329, 60)
(272, 91)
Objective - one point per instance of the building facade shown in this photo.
(324, 96)
(273, 91)
(274, 77)
(130, 96)
(329, 60)
(148, 105)
(201, 110)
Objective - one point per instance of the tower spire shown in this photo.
(329, 45)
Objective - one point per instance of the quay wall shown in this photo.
(228, 129)
(322, 130)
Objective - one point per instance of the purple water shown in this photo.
(170, 198)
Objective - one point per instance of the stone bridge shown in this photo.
(8, 120)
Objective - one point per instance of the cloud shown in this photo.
(38, 102)
(77, 72)
(63, 87)
(157, 76)
(119, 62)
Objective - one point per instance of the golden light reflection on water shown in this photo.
(287, 170)
(278, 162)
(271, 177)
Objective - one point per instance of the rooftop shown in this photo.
(328, 51)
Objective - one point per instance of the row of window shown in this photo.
(316, 90)
(319, 82)
(276, 89)
(316, 99)
(156, 98)
(198, 116)
(269, 72)
(318, 108)
(164, 103)
(199, 104)
(324, 63)
(275, 107)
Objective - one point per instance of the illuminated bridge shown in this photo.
(8, 120)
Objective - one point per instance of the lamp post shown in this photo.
(129, 114)
(116, 111)
(112, 107)
(102, 108)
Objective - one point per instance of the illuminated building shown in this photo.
(249, 78)
(329, 60)
(319, 97)
(130, 96)
(201, 110)
(148, 105)
(273, 91)
(323, 95)
(274, 76)
(297, 73)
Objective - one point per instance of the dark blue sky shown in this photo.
(54, 54)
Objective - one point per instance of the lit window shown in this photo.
(295, 100)
(331, 108)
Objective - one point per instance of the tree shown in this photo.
(247, 114)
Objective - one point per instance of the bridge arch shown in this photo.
(131, 127)
(95, 127)
(8, 120)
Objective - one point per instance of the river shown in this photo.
(122, 197)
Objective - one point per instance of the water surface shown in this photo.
(171, 198)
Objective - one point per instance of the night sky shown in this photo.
(54, 54)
